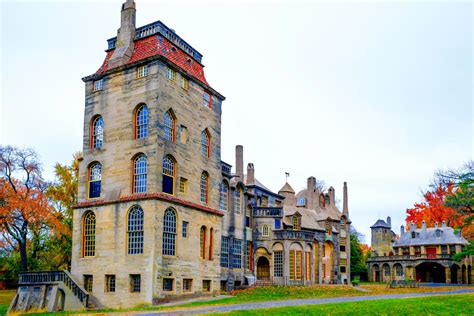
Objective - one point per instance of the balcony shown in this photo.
(412, 257)
(294, 234)
(267, 212)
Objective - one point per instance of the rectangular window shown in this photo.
(168, 284)
(206, 99)
(110, 283)
(277, 223)
(247, 221)
(237, 254)
(444, 249)
(342, 248)
(406, 251)
(170, 74)
(225, 252)
(142, 71)
(295, 264)
(417, 251)
(183, 185)
(187, 285)
(206, 285)
(98, 85)
(308, 265)
(278, 263)
(249, 260)
(183, 134)
(185, 229)
(184, 83)
(135, 283)
(88, 282)
(343, 269)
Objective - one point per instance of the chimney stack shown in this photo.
(125, 36)
(332, 196)
(436, 225)
(311, 186)
(402, 230)
(423, 227)
(389, 221)
(412, 227)
(345, 209)
(250, 174)
(444, 224)
(239, 162)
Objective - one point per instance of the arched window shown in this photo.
(95, 179)
(265, 232)
(141, 122)
(88, 234)
(97, 132)
(296, 222)
(399, 269)
(202, 242)
(301, 201)
(386, 269)
(224, 196)
(211, 237)
(169, 171)
(139, 174)
(204, 187)
(170, 126)
(135, 230)
(237, 200)
(169, 233)
(206, 144)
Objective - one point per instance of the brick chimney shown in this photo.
(332, 196)
(345, 209)
(239, 162)
(389, 221)
(311, 186)
(250, 174)
(125, 36)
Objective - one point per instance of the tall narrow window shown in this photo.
(278, 263)
(265, 232)
(295, 264)
(202, 241)
(211, 241)
(135, 230)
(237, 254)
(308, 265)
(170, 126)
(169, 233)
(139, 174)
(225, 252)
(207, 100)
(249, 257)
(95, 179)
(237, 200)
(204, 187)
(206, 144)
(296, 222)
(141, 122)
(169, 171)
(88, 234)
(224, 196)
(97, 132)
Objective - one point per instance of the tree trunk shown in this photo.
(23, 256)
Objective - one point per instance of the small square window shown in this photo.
(206, 285)
(343, 269)
(187, 285)
(170, 74)
(342, 248)
(135, 283)
(109, 283)
(206, 99)
(185, 229)
(183, 134)
(142, 71)
(183, 185)
(184, 83)
(168, 284)
(98, 85)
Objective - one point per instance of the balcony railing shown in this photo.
(27, 278)
(267, 212)
(294, 234)
(412, 257)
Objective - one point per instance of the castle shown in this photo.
(160, 216)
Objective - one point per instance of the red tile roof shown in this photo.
(159, 45)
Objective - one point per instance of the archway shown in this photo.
(328, 262)
(398, 270)
(263, 269)
(430, 272)
(454, 273)
(376, 273)
(386, 272)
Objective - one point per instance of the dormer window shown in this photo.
(301, 201)
(438, 233)
(173, 49)
(98, 85)
(413, 234)
(296, 222)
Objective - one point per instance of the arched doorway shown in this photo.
(328, 262)
(263, 269)
(454, 274)
(376, 273)
(430, 272)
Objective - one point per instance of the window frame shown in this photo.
(142, 71)
(184, 83)
(169, 173)
(204, 187)
(141, 121)
(206, 144)
(89, 221)
(96, 136)
(205, 102)
(98, 85)
(134, 285)
(135, 230)
(265, 231)
(202, 241)
(224, 196)
(170, 218)
(170, 74)
(139, 180)
(94, 182)
(169, 126)
(110, 283)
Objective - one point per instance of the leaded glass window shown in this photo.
(135, 230)
(168, 174)
(169, 233)
(225, 252)
(237, 254)
(205, 144)
(224, 196)
(97, 132)
(141, 122)
(88, 234)
(139, 174)
(95, 179)
(170, 126)
(204, 187)
(278, 263)
(265, 232)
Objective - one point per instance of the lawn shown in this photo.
(5, 300)
(440, 305)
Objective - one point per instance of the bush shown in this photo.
(356, 281)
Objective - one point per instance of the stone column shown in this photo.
(320, 262)
(448, 274)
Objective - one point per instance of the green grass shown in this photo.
(462, 304)
(5, 300)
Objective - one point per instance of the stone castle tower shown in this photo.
(148, 219)
(382, 237)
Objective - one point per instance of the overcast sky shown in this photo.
(375, 94)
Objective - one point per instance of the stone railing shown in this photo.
(267, 212)
(411, 257)
(294, 234)
(45, 277)
(281, 281)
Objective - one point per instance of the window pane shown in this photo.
(140, 174)
(135, 230)
(142, 122)
(169, 233)
(88, 231)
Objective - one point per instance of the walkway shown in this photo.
(295, 302)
